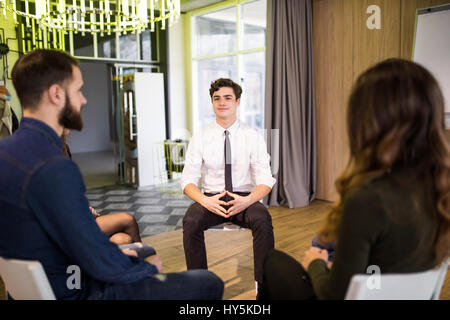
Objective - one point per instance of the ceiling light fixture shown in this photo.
(96, 17)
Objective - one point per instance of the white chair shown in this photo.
(227, 226)
(25, 280)
(409, 286)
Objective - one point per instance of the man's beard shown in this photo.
(69, 118)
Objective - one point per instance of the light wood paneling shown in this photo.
(343, 48)
(373, 46)
(333, 68)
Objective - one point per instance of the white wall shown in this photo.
(151, 128)
(177, 84)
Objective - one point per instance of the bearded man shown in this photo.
(44, 214)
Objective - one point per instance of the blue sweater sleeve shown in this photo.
(56, 195)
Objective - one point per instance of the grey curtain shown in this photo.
(289, 110)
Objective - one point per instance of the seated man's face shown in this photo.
(225, 103)
(70, 115)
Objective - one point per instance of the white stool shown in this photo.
(227, 226)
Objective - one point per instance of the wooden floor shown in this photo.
(230, 253)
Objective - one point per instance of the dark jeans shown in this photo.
(198, 219)
(284, 279)
(143, 250)
(189, 285)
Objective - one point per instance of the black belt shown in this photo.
(227, 198)
(242, 194)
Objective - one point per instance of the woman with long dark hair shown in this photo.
(394, 206)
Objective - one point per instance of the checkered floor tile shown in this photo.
(155, 210)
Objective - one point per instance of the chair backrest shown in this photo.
(408, 286)
(25, 280)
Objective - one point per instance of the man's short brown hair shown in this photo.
(223, 82)
(37, 71)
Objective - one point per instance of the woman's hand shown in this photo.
(94, 212)
(312, 254)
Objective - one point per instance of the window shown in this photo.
(230, 43)
(131, 46)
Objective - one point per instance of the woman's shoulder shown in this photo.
(371, 196)
(388, 191)
(367, 190)
(385, 184)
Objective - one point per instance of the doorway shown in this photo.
(99, 149)
(92, 148)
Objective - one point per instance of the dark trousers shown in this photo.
(198, 219)
(189, 285)
(285, 279)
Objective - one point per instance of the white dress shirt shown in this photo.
(205, 159)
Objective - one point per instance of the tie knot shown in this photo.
(226, 132)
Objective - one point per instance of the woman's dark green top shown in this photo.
(387, 223)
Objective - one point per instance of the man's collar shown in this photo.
(36, 124)
(232, 129)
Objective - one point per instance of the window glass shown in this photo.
(253, 84)
(128, 47)
(221, 35)
(146, 47)
(107, 46)
(254, 21)
(215, 32)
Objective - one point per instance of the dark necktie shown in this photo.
(227, 152)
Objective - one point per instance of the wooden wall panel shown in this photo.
(373, 46)
(343, 48)
(333, 57)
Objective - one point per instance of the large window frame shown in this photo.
(238, 53)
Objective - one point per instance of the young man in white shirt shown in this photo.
(232, 162)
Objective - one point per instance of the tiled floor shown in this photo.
(157, 209)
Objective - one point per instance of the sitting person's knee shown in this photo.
(127, 219)
(190, 224)
(192, 215)
(261, 218)
(121, 238)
